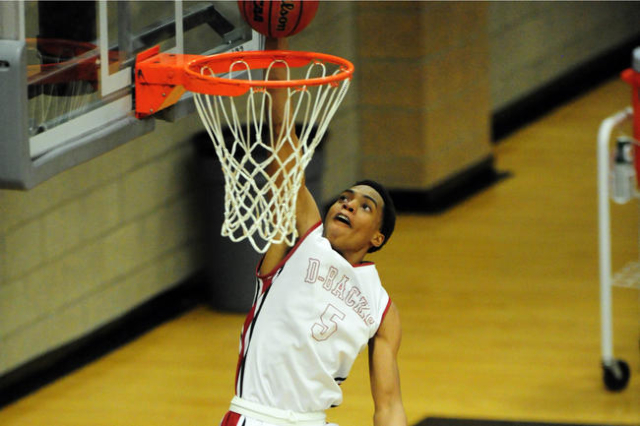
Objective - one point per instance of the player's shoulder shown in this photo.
(279, 255)
(390, 327)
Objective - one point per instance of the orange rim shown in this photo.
(196, 81)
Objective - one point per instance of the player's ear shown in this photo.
(377, 239)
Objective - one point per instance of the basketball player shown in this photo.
(317, 305)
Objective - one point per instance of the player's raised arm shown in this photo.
(307, 213)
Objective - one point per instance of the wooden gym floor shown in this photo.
(498, 297)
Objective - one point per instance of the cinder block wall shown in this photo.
(85, 247)
(430, 74)
(418, 111)
(532, 43)
(424, 101)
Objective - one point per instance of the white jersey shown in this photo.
(311, 318)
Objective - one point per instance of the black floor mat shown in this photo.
(438, 421)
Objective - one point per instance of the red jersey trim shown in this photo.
(386, 309)
(230, 419)
(243, 348)
(284, 260)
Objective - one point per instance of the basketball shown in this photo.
(278, 19)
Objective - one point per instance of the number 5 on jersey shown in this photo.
(328, 324)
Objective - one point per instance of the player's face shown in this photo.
(353, 221)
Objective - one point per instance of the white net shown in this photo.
(261, 187)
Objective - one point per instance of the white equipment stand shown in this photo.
(620, 175)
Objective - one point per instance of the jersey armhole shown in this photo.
(384, 313)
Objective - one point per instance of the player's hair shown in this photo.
(388, 213)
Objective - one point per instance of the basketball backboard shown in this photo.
(66, 74)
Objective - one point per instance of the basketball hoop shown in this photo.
(259, 206)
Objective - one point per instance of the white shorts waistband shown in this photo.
(276, 415)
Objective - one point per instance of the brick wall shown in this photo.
(535, 42)
(85, 247)
(419, 108)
